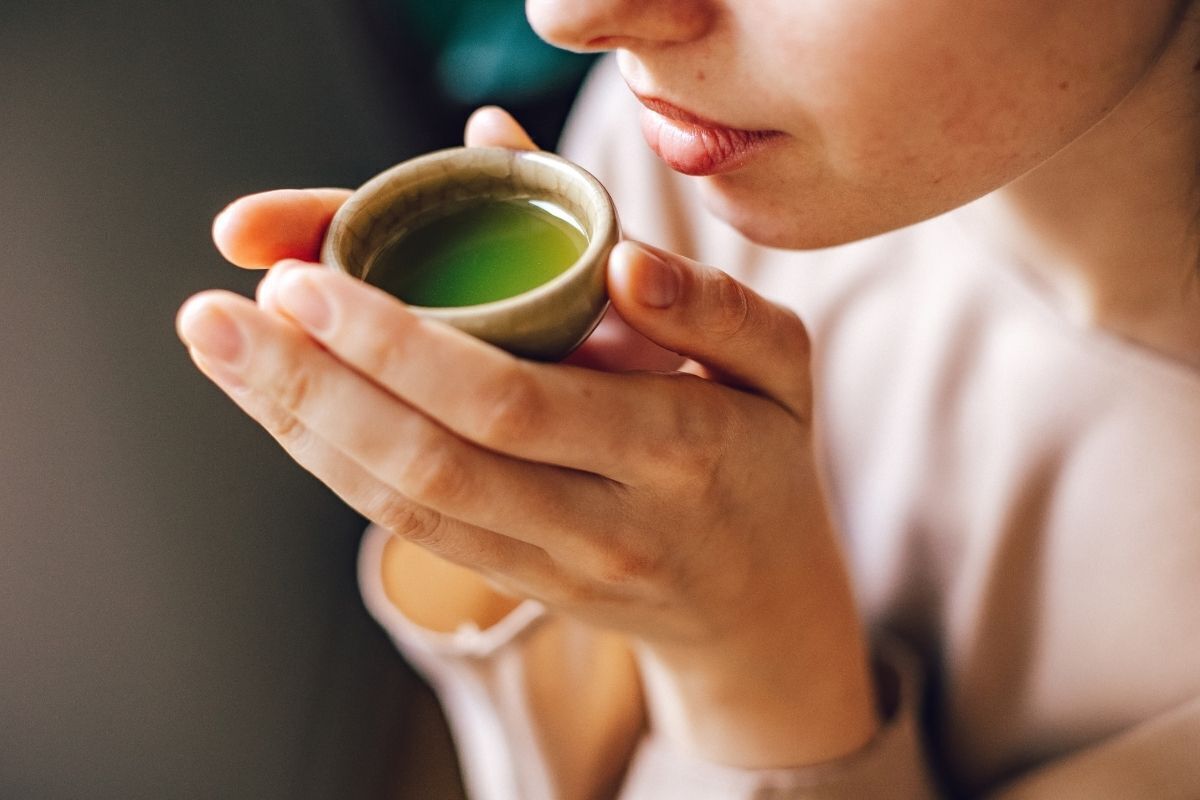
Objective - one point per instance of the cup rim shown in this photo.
(604, 234)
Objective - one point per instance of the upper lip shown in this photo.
(674, 112)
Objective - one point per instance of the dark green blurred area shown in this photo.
(478, 52)
(485, 51)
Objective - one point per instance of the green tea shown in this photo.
(478, 253)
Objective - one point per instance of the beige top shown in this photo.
(1020, 500)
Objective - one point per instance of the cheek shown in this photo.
(918, 108)
(903, 110)
(933, 130)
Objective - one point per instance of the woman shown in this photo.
(961, 445)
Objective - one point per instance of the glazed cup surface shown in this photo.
(545, 323)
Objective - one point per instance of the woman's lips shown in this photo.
(697, 146)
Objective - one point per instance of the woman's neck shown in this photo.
(1111, 224)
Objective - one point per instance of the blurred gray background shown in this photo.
(178, 611)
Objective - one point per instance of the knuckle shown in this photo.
(508, 407)
(684, 444)
(281, 424)
(434, 475)
(698, 467)
(405, 519)
(705, 458)
(625, 565)
(794, 331)
(295, 388)
(729, 309)
(287, 429)
(380, 353)
(375, 357)
(700, 436)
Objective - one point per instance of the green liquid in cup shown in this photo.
(479, 253)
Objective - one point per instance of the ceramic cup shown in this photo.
(545, 323)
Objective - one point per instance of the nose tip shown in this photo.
(591, 25)
(569, 24)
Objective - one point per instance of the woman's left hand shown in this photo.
(682, 508)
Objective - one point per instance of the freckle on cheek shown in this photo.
(1064, 85)
(700, 75)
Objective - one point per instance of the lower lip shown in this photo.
(696, 149)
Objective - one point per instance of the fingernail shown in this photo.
(658, 284)
(305, 303)
(211, 332)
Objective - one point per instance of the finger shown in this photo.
(257, 230)
(704, 314)
(260, 229)
(454, 540)
(265, 288)
(624, 427)
(401, 447)
(492, 126)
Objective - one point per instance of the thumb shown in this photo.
(700, 312)
(492, 126)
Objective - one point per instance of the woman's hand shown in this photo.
(260, 230)
(582, 684)
(683, 508)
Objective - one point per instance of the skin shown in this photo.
(1080, 118)
(895, 110)
(682, 510)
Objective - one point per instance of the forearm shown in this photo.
(790, 689)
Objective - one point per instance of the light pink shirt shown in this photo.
(1020, 499)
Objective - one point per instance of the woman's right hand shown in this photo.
(583, 684)
(261, 230)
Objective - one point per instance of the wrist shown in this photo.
(782, 692)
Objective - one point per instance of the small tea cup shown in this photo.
(544, 323)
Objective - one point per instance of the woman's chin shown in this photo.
(813, 216)
(771, 221)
